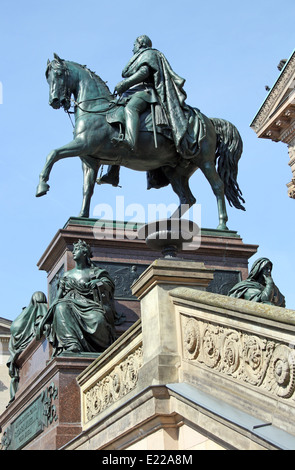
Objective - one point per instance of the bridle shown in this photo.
(68, 100)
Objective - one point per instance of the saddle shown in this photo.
(116, 115)
(196, 130)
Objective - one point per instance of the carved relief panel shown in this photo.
(247, 358)
(120, 380)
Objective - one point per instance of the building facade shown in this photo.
(4, 353)
(275, 119)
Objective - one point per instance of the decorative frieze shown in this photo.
(115, 385)
(247, 358)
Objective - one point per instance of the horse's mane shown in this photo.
(92, 75)
(61, 63)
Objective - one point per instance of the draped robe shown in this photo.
(187, 125)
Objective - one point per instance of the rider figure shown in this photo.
(149, 79)
(139, 86)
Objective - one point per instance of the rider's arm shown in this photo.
(142, 74)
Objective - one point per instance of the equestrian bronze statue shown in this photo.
(145, 125)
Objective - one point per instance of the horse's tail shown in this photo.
(229, 148)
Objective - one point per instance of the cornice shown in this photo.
(277, 90)
(288, 134)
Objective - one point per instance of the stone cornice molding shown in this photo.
(276, 91)
(288, 134)
(4, 338)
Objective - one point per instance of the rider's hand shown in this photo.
(120, 87)
(268, 279)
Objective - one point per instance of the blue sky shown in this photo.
(227, 52)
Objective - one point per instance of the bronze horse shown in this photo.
(221, 147)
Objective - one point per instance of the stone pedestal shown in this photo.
(159, 328)
(46, 412)
(116, 248)
(199, 371)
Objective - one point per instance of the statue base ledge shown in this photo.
(89, 355)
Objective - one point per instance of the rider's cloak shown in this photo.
(187, 125)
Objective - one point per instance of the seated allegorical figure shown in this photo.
(22, 332)
(259, 286)
(82, 317)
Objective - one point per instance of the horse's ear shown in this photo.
(48, 61)
(57, 57)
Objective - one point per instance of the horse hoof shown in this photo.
(222, 227)
(42, 189)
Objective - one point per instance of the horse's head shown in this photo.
(57, 75)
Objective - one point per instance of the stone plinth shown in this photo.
(46, 412)
(160, 352)
(172, 273)
(124, 391)
(116, 247)
(199, 371)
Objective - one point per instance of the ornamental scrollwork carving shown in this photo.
(211, 346)
(251, 359)
(282, 368)
(256, 355)
(49, 409)
(230, 349)
(6, 439)
(120, 381)
(191, 339)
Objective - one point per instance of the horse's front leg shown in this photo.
(90, 167)
(73, 149)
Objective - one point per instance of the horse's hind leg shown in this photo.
(180, 186)
(90, 167)
(209, 170)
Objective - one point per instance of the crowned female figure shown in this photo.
(82, 317)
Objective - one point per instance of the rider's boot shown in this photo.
(111, 176)
(133, 109)
(131, 127)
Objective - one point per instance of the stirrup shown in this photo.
(107, 179)
(118, 139)
(123, 143)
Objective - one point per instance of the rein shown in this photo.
(67, 93)
(100, 111)
(111, 105)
